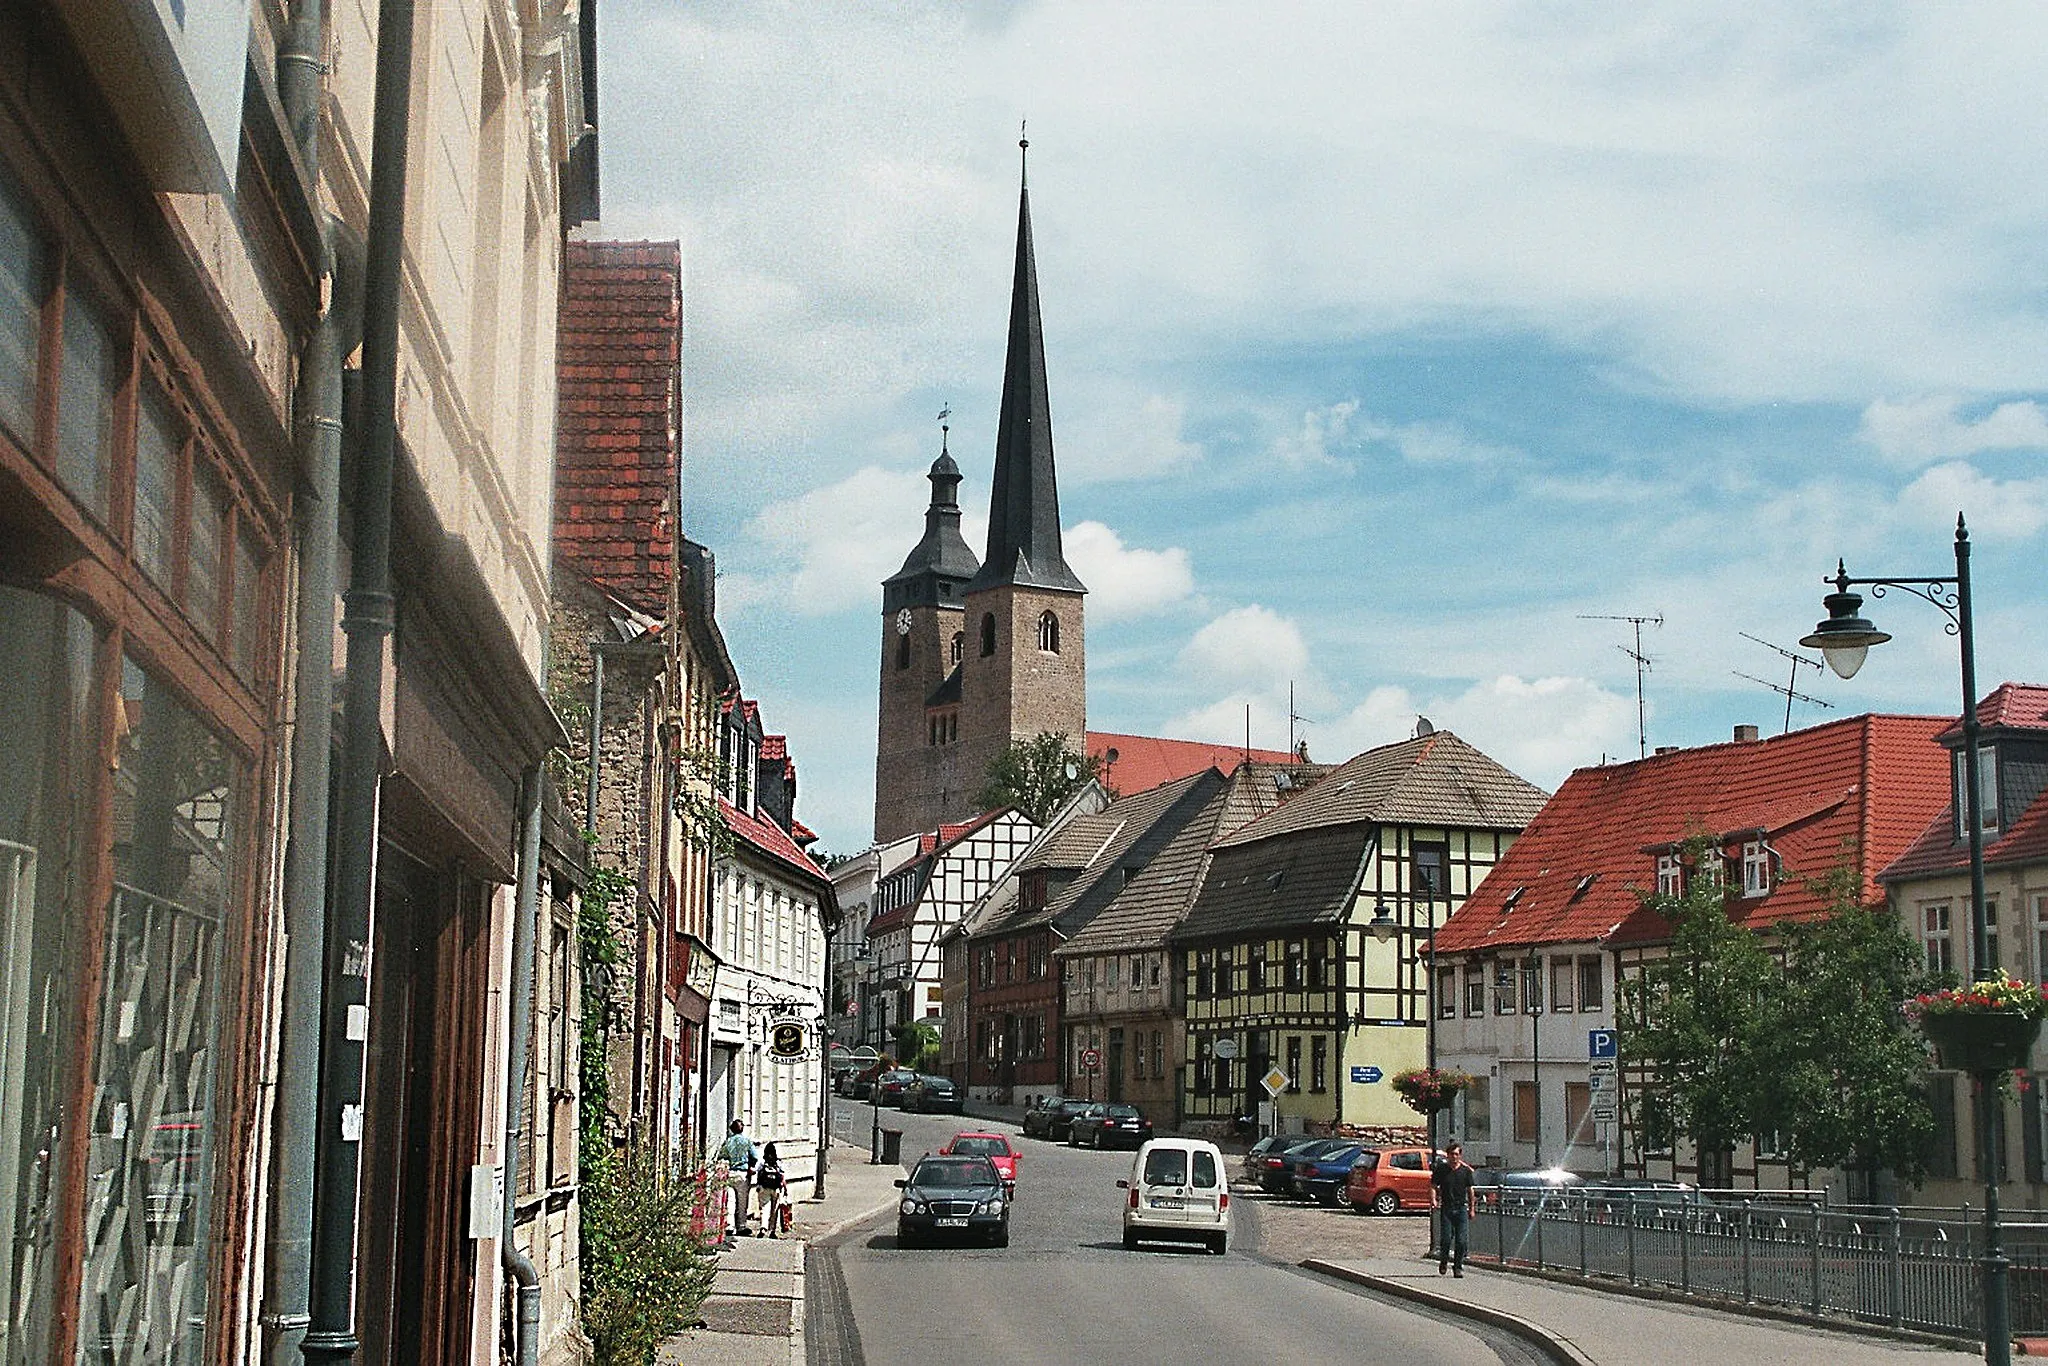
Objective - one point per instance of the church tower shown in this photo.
(918, 778)
(975, 656)
(1023, 670)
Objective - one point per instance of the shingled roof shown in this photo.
(1575, 875)
(1434, 779)
(1133, 763)
(1144, 913)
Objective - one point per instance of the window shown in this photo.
(23, 277)
(1660, 1130)
(959, 647)
(988, 967)
(1109, 972)
(1987, 790)
(1200, 1072)
(94, 370)
(1477, 1101)
(1032, 1044)
(1037, 961)
(903, 652)
(1756, 869)
(1221, 1080)
(1226, 972)
(1532, 985)
(1297, 965)
(1503, 987)
(1049, 633)
(1319, 1064)
(1205, 974)
(1158, 1054)
(1319, 963)
(1578, 1112)
(1293, 1064)
(1154, 959)
(1670, 877)
(1562, 971)
(1137, 971)
(988, 634)
(1934, 940)
(1941, 1145)
(159, 444)
(1526, 1112)
(1432, 871)
(1255, 967)
(1592, 985)
(1446, 993)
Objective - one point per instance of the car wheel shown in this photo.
(1386, 1202)
(1130, 1240)
(1220, 1244)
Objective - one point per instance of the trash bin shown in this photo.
(892, 1147)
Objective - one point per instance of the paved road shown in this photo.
(1065, 1290)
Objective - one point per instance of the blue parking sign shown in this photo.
(1602, 1043)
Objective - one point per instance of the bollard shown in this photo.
(1814, 1263)
(1895, 1244)
(1584, 1199)
(1746, 1296)
(1631, 1237)
(1684, 1250)
(1536, 1218)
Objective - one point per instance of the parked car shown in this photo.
(1322, 1178)
(1108, 1126)
(960, 1196)
(860, 1084)
(997, 1148)
(890, 1086)
(1389, 1180)
(1055, 1119)
(1037, 1110)
(1177, 1191)
(928, 1093)
(1490, 1184)
(1265, 1155)
(1280, 1180)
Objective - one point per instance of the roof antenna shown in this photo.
(1785, 688)
(1294, 718)
(1642, 667)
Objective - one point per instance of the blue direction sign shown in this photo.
(1601, 1043)
(1367, 1075)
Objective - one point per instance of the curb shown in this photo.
(1558, 1348)
(824, 1231)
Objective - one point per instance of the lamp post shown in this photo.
(1383, 926)
(1843, 640)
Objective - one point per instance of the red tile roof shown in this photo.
(2012, 706)
(1143, 762)
(801, 833)
(618, 407)
(775, 747)
(1868, 782)
(768, 838)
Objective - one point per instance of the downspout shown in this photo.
(368, 621)
(525, 912)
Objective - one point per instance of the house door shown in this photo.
(1116, 1064)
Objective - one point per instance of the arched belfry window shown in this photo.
(959, 646)
(988, 634)
(1049, 633)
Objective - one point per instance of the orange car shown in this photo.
(1389, 1180)
(997, 1148)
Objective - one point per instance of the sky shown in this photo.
(1387, 344)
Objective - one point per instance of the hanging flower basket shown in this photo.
(1429, 1090)
(1986, 1027)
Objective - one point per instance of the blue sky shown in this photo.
(1385, 342)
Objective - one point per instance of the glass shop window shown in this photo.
(92, 369)
(24, 277)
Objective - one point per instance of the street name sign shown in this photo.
(1366, 1075)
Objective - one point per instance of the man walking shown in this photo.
(737, 1152)
(1452, 1182)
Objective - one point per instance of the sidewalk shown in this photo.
(754, 1315)
(1591, 1326)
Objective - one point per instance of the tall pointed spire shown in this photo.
(1024, 506)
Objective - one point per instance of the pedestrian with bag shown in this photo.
(1451, 1183)
(769, 1178)
(737, 1152)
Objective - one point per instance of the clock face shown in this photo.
(903, 622)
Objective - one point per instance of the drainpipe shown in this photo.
(525, 911)
(368, 620)
(318, 438)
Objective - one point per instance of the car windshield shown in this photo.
(1343, 1154)
(984, 1147)
(1123, 1112)
(942, 1174)
(1166, 1167)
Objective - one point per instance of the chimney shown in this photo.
(1745, 735)
(1667, 749)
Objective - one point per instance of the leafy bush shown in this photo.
(645, 1274)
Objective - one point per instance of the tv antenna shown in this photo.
(1294, 718)
(1642, 667)
(1787, 688)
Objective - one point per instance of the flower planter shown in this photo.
(1981, 1041)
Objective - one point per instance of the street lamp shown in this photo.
(1384, 926)
(1844, 639)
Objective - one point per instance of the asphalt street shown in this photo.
(1065, 1290)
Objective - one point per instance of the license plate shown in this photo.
(949, 1223)
(1168, 1202)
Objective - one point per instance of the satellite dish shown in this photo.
(1422, 727)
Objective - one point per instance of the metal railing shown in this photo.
(1912, 1269)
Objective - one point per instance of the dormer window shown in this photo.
(1670, 876)
(1756, 868)
(1987, 791)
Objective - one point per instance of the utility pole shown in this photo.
(1642, 667)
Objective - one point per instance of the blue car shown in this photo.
(1321, 1177)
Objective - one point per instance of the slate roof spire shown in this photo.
(1024, 506)
(942, 553)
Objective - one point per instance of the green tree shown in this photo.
(1036, 775)
(1698, 1021)
(1842, 1075)
(917, 1046)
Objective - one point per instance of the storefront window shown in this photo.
(47, 745)
(148, 1177)
(157, 441)
(22, 276)
(91, 376)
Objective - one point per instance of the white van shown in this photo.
(1178, 1192)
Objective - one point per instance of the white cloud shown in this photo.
(1246, 647)
(1915, 431)
(1323, 432)
(1124, 581)
(834, 545)
(1119, 440)
(1540, 728)
(2011, 508)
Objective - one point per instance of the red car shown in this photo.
(1389, 1180)
(995, 1147)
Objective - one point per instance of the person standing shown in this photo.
(737, 1152)
(1451, 1184)
(769, 1178)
